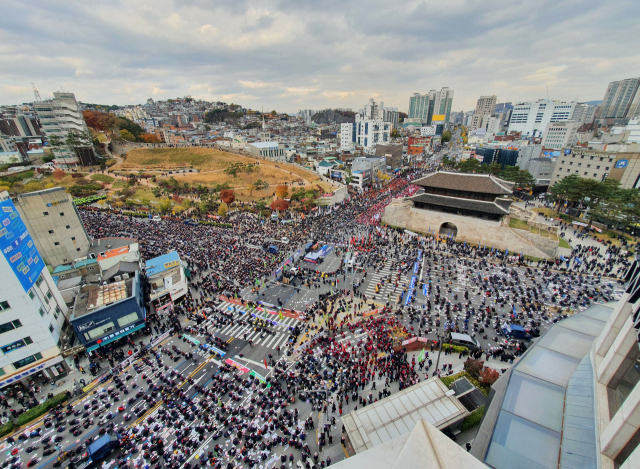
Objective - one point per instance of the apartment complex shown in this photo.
(485, 107)
(59, 117)
(621, 99)
(32, 310)
(365, 133)
(53, 220)
(373, 111)
(531, 118)
(422, 107)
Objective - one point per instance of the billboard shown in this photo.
(18, 247)
(437, 118)
(336, 174)
(621, 164)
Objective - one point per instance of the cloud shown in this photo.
(287, 54)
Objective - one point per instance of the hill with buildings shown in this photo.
(331, 116)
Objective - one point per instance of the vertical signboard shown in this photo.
(18, 247)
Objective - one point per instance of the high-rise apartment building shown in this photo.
(373, 110)
(622, 99)
(53, 220)
(365, 133)
(583, 113)
(422, 107)
(59, 117)
(32, 311)
(484, 107)
(531, 118)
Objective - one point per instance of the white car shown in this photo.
(156, 218)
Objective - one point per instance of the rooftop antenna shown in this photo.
(36, 93)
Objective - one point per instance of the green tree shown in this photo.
(56, 143)
(567, 191)
(223, 209)
(470, 165)
(128, 136)
(446, 136)
(164, 205)
(274, 113)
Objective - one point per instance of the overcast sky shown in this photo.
(295, 54)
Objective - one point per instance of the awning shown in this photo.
(120, 336)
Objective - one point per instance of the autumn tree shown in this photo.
(250, 188)
(489, 376)
(223, 209)
(473, 367)
(164, 205)
(227, 196)
(282, 191)
(280, 204)
(58, 174)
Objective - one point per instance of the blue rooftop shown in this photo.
(160, 264)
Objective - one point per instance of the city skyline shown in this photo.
(287, 56)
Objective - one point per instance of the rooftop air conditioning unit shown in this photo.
(117, 278)
(125, 276)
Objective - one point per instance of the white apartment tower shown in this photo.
(32, 311)
(60, 116)
(373, 110)
(485, 107)
(531, 118)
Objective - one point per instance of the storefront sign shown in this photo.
(73, 350)
(17, 377)
(168, 265)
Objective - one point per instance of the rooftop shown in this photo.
(461, 203)
(92, 298)
(482, 183)
(398, 414)
(265, 144)
(161, 263)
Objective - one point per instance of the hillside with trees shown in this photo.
(331, 116)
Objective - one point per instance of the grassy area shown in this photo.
(518, 224)
(564, 244)
(102, 178)
(119, 185)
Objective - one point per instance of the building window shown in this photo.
(51, 328)
(57, 311)
(62, 214)
(597, 167)
(9, 326)
(128, 319)
(27, 361)
(39, 281)
(68, 227)
(32, 295)
(4, 305)
(41, 311)
(45, 213)
(49, 294)
(56, 243)
(73, 238)
(78, 249)
(50, 231)
(606, 168)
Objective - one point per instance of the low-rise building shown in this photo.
(167, 280)
(106, 312)
(273, 150)
(559, 135)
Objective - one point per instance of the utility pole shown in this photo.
(439, 351)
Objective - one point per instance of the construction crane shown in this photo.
(36, 93)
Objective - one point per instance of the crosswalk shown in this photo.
(389, 286)
(278, 339)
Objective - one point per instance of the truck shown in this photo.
(98, 450)
(273, 249)
(515, 332)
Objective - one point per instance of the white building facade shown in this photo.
(531, 118)
(32, 311)
(559, 135)
(365, 133)
(59, 116)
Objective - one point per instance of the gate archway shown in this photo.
(448, 230)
